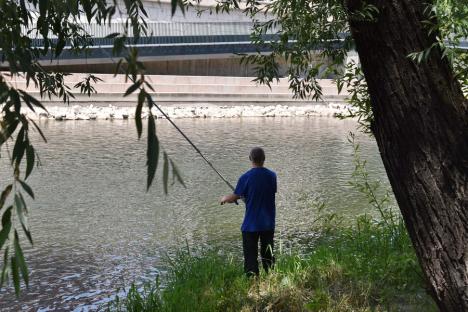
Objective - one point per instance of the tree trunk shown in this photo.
(421, 128)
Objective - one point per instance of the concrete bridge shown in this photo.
(180, 44)
(189, 60)
(177, 48)
(191, 53)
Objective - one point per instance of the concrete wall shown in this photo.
(178, 90)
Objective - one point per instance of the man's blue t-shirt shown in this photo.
(258, 187)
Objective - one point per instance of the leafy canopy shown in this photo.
(56, 25)
(302, 30)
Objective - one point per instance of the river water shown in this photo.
(96, 228)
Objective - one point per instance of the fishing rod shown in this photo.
(196, 148)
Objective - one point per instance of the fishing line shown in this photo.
(191, 143)
(195, 147)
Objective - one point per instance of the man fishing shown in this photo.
(257, 187)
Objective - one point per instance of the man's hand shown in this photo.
(224, 199)
(231, 198)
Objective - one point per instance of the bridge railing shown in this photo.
(168, 29)
(179, 32)
(169, 33)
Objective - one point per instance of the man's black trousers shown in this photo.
(250, 246)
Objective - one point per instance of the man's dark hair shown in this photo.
(257, 155)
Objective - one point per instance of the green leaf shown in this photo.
(15, 274)
(28, 103)
(30, 159)
(11, 124)
(19, 207)
(27, 97)
(175, 4)
(43, 6)
(24, 13)
(117, 67)
(21, 211)
(152, 151)
(20, 259)
(7, 215)
(15, 98)
(60, 45)
(6, 226)
(150, 101)
(4, 275)
(88, 9)
(112, 35)
(133, 87)
(19, 148)
(142, 8)
(420, 57)
(165, 172)
(4, 233)
(38, 130)
(149, 86)
(119, 45)
(5, 194)
(138, 123)
(27, 188)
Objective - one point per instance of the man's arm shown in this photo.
(231, 198)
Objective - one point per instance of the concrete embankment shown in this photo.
(189, 97)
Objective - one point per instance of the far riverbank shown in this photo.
(199, 110)
(187, 97)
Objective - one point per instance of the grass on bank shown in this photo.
(366, 265)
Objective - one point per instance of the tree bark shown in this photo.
(421, 128)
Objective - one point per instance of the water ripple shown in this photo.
(96, 229)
